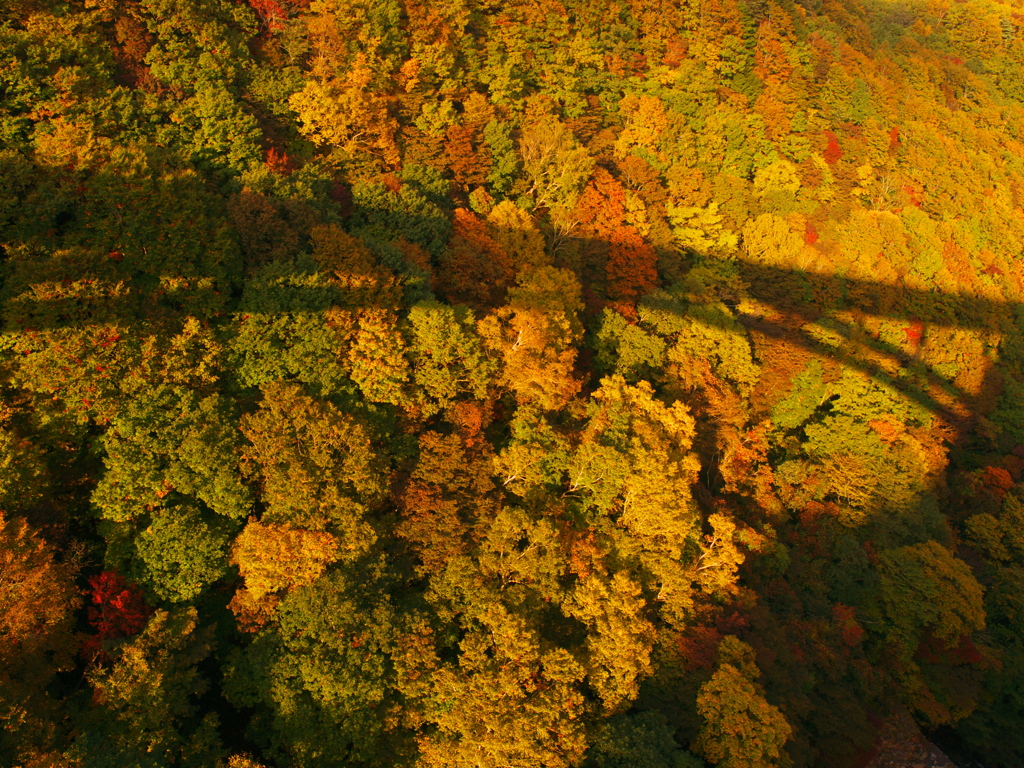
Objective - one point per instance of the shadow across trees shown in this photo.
(880, 329)
(71, 282)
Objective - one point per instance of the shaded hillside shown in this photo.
(510, 384)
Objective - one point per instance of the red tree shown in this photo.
(474, 269)
(833, 151)
(632, 266)
(118, 610)
(279, 162)
(270, 13)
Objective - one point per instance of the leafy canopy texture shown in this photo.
(520, 384)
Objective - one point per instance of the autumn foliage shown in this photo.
(116, 610)
(521, 384)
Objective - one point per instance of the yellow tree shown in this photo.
(346, 112)
(273, 558)
(510, 702)
(377, 359)
(556, 165)
(620, 636)
(635, 463)
(741, 729)
(535, 336)
(37, 640)
(514, 229)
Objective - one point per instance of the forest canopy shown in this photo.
(523, 384)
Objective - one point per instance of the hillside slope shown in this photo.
(510, 384)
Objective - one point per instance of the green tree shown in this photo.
(182, 552)
(640, 740)
(170, 443)
(319, 676)
(146, 710)
(448, 361)
(317, 466)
